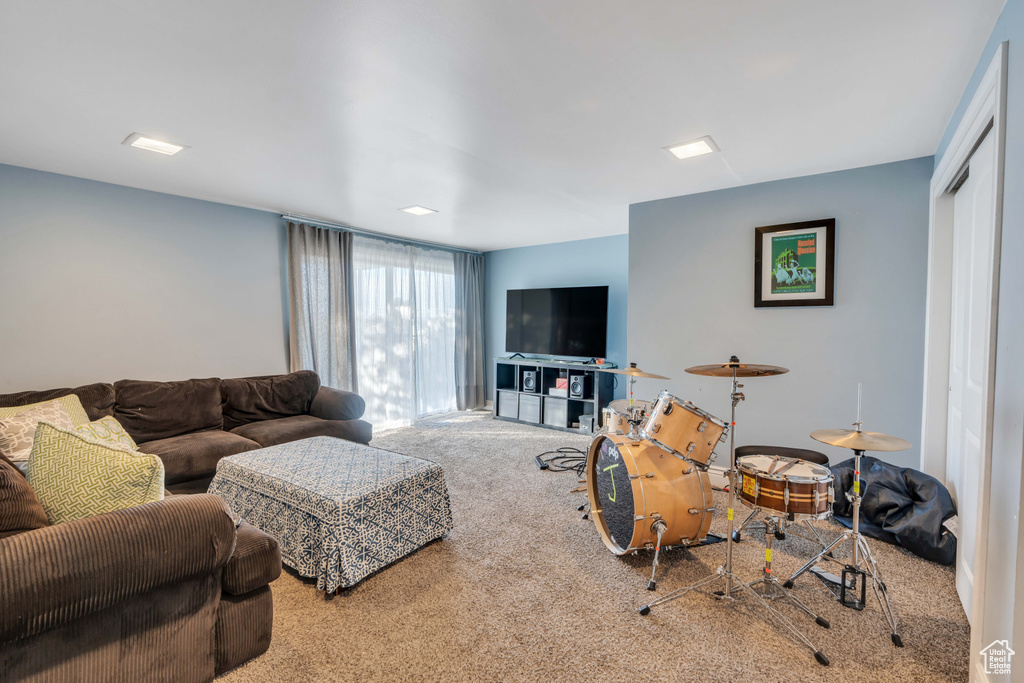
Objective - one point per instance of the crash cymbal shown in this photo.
(634, 371)
(860, 441)
(742, 370)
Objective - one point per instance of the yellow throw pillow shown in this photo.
(19, 431)
(74, 476)
(71, 403)
(109, 431)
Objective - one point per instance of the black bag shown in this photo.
(900, 506)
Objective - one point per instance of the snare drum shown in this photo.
(683, 429)
(788, 487)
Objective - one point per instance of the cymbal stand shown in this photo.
(726, 572)
(863, 564)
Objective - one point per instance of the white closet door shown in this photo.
(973, 231)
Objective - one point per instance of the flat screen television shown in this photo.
(559, 321)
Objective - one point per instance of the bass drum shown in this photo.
(632, 484)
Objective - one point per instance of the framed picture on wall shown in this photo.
(794, 264)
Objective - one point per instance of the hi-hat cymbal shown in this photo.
(634, 371)
(860, 441)
(742, 370)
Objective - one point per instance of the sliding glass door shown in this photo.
(404, 323)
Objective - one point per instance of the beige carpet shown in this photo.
(524, 590)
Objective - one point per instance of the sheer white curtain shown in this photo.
(404, 322)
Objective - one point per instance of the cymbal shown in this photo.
(860, 441)
(634, 371)
(742, 370)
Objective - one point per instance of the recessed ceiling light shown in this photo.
(693, 148)
(417, 210)
(142, 142)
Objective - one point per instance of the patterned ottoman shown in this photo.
(340, 510)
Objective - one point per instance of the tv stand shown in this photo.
(517, 400)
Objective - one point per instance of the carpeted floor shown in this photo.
(524, 590)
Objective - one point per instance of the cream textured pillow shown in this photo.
(109, 431)
(71, 403)
(74, 476)
(19, 431)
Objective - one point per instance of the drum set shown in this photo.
(649, 487)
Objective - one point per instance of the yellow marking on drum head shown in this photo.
(611, 475)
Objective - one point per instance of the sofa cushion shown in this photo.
(193, 456)
(76, 477)
(255, 562)
(109, 431)
(285, 429)
(19, 507)
(97, 399)
(251, 399)
(159, 410)
(18, 432)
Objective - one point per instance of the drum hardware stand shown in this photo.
(863, 564)
(726, 572)
(772, 587)
(659, 528)
(782, 528)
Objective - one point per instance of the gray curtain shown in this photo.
(321, 335)
(469, 331)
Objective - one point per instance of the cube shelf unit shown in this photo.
(513, 402)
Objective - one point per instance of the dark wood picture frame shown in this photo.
(829, 224)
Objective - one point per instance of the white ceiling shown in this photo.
(522, 121)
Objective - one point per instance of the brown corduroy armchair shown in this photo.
(168, 591)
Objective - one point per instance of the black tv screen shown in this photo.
(562, 321)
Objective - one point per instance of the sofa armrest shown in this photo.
(52, 576)
(337, 404)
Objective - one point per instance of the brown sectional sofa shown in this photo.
(176, 590)
(167, 591)
(194, 423)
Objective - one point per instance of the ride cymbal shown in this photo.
(860, 441)
(634, 371)
(742, 370)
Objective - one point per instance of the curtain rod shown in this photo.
(378, 235)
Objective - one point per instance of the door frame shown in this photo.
(987, 108)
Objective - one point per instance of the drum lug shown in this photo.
(785, 495)
(656, 428)
(691, 447)
(649, 475)
(702, 426)
(696, 511)
(667, 410)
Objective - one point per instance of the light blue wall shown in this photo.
(1006, 500)
(102, 282)
(598, 261)
(691, 302)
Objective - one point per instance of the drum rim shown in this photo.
(673, 452)
(687, 405)
(826, 473)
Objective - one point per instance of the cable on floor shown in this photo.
(564, 459)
